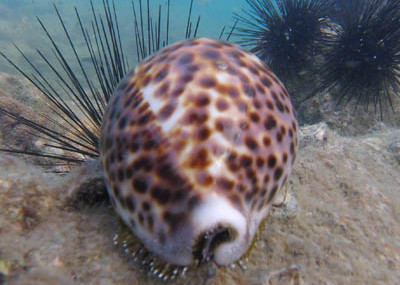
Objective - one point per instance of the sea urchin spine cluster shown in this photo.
(362, 61)
(348, 47)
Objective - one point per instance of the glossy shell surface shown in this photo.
(196, 142)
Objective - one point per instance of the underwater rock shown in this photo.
(13, 134)
(21, 99)
(344, 119)
(43, 277)
(21, 90)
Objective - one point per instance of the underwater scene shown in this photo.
(200, 142)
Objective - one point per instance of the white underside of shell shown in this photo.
(214, 211)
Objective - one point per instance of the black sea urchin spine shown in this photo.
(363, 62)
(285, 34)
(79, 104)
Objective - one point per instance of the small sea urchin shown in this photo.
(363, 61)
(285, 34)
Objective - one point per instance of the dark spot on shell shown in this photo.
(292, 151)
(271, 161)
(186, 58)
(267, 140)
(208, 82)
(285, 157)
(222, 104)
(192, 68)
(257, 104)
(243, 78)
(249, 90)
(260, 88)
(186, 78)
(129, 172)
(266, 81)
(225, 184)
(122, 122)
(210, 54)
(254, 117)
(130, 99)
(244, 125)
(278, 173)
(141, 218)
(162, 90)
(254, 70)
(246, 161)
(266, 178)
(233, 92)
(200, 159)
(242, 106)
(294, 126)
(130, 203)
(145, 118)
(204, 178)
(161, 194)
(146, 206)
(140, 185)
(232, 71)
(203, 134)
(177, 91)
(144, 163)
(279, 106)
(202, 100)
(234, 53)
(260, 162)
(134, 146)
(179, 195)
(167, 111)
(272, 193)
(251, 143)
(197, 118)
(161, 74)
(236, 200)
(279, 136)
(174, 219)
(270, 122)
(146, 80)
(166, 172)
(219, 125)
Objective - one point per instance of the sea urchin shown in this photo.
(285, 34)
(362, 63)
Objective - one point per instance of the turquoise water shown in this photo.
(19, 24)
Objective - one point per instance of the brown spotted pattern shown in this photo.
(198, 118)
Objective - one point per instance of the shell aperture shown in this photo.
(195, 143)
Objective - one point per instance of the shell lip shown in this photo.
(204, 248)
